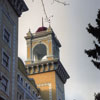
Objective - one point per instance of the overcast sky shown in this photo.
(69, 24)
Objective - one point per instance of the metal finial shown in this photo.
(42, 22)
(29, 30)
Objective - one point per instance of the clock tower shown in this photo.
(44, 65)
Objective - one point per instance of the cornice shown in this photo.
(58, 68)
(19, 6)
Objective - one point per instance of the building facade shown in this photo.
(43, 76)
(26, 87)
(43, 63)
(10, 11)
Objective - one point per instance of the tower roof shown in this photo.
(41, 29)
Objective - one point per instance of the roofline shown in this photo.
(22, 6)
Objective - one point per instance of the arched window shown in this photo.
(39, 52)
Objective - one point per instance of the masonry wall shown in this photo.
(47, 84)
(59, 89)
(9, 20)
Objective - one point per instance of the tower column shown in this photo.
(32, 70)
(43, 67)
(38, 68)
(48, 66)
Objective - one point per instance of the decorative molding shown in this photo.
(42, 38)
(19, 6)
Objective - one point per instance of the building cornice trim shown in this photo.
(19, 6)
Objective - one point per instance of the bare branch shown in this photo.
(44, 11)
(64, 3)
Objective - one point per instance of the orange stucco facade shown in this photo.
(48, 73)
(47, 83)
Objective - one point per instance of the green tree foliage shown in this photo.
(95, 52)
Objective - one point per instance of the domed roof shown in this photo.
(41, 29)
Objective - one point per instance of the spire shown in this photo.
(29, 32)
(42, 22)
(50, 28)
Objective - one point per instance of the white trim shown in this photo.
(50, 89)
(3, 51)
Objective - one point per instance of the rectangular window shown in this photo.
(17, 95)
(26, 85)
(29, 88)
(6, 36)
(20, 96)
(18, 77)
(21, 80)
(4, 84)
(5, 59)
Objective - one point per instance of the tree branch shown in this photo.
(64, 3)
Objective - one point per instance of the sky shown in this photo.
(69, 24)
